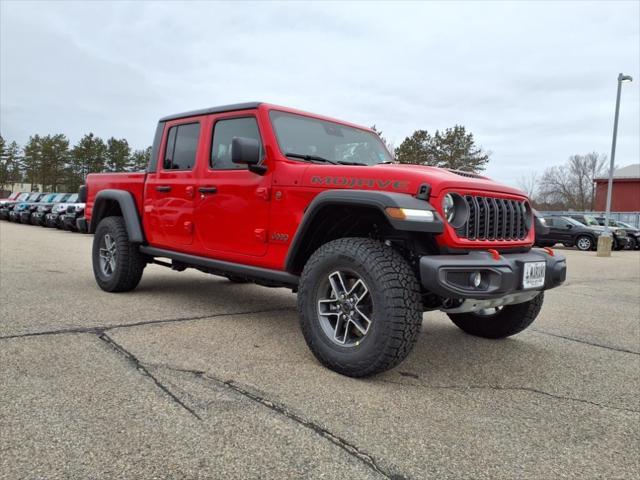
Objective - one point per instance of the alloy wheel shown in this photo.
(108, 255)
(345, 308)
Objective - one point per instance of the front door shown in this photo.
(232, 211)
(170, 192)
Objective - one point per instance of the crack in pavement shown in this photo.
(104, 328)
(515, 389)
(281, 409)
(141, 368)
(586, 342)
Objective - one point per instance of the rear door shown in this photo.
(170, 191)
(232, 210)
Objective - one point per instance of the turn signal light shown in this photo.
(410, 214)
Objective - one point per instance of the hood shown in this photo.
(401, 178)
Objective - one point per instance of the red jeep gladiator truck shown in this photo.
(284, 198)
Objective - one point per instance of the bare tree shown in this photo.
(528, 183)
(572, 184)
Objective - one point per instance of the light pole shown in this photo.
(605, 240)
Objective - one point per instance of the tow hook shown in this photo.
(494, 253)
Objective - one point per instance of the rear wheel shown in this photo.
(117, 263)
(499, 322)
(360, 306)
(584, 243)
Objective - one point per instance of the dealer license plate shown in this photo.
(533, 276)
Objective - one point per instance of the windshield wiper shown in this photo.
(309, 157)
(342, 162)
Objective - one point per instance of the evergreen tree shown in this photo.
(15, 163)
(4, 170)
(87, 156)
(55, 155)
(139, 160)
(117, 155)
(454, 148)
(33, 161)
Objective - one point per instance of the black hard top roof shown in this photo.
(208, 111)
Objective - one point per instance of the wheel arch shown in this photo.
(337, 214)
(117, 203)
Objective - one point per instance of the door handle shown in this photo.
(205, 190)
(163, 188)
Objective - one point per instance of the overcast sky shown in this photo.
(535, 82)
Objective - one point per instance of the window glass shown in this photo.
(182, 145)
(299, 135)
(223, 133)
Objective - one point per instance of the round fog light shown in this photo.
(476, 279)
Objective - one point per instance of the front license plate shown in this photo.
(533, 276)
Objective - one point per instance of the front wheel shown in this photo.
(360, 306)
(499, 322)
(117, 263)
(584, 243)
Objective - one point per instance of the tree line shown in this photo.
(50, 160)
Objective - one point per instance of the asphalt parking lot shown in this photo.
(191, 376)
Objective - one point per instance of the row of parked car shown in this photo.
(54, 210)
(582, 231)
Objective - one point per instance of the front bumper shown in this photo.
(449, 275)
(25, 216)
(38, 218)
(81, 225)
(69, 222)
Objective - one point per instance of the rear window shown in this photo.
(182, 145)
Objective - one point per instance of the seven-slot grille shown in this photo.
(495, 219)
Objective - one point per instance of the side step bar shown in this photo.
(257, 274)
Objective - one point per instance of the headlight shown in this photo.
(410, 214)
(455, 209)
(448, 207)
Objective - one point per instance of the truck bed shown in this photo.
(130, 182)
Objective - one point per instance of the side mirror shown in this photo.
(247, 151)
(569, 226)
(82, 194)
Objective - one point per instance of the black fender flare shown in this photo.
(128, 208)
(380, 200)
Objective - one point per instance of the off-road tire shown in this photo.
(130, 262)
(584, 243)
(396, 316)
(511, 319)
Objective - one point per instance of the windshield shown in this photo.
(73, 198)
(59, 197)
(306, 136)
(47, 198)
(574, 222)
(591, 221)
(626, 225)
(23, 197)
(33, 197)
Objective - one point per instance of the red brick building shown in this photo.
(625, 196)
